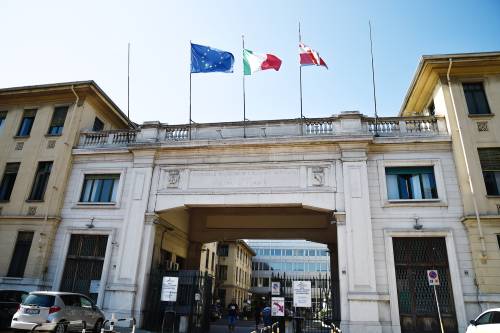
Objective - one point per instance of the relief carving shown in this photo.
(173, 178)
(318, 176)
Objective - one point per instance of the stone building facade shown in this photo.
(465, 89)
(371, 197)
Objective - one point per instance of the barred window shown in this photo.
(100, 188)
(20, 254)
(490, 164)
(58, 118)
(41, 180)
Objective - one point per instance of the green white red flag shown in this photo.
(253, 62)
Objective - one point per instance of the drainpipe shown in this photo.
(484, 255)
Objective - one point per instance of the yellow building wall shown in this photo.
(41, 217)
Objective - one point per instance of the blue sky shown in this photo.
(56, 41)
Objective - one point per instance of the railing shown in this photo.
(404, 126)
(336, 125)
(114, 137)
(319, 126)
(177, 133)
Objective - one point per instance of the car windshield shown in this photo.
(40, 300)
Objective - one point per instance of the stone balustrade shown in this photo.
(347, 123)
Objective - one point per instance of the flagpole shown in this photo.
(300, 85)
(244, 106)
(190, 73)
(128, 82)
(373, 80)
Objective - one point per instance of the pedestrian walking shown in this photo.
(257, 315)
(232, 314)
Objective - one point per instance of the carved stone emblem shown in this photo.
(482, 126)
(173, 178)
(31, 211)
(19, 145)
(318, 176)
(51, 144)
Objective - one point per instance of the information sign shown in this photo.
(169, 289)
(302, 294)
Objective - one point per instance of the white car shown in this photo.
(486, 322)
(52, 311)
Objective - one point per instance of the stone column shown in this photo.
(334, 283)
(362, 295)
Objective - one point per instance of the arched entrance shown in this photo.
(204, 223)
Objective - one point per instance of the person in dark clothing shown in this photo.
(232, 314)
(257, 315)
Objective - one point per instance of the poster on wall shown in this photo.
(169, 289)
(275, 288)
(302, 294)
(277, 306)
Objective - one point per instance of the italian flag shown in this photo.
(253, 62)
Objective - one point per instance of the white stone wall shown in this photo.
(354, 183)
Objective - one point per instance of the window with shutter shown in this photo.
(21, 254)
(27, 123)
(476, 98)
(41, 180)
(490, 164)
(8, 180)
(58, 119)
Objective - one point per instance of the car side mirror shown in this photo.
(473, 322)
(95, 307)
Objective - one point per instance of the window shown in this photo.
(490, 164)
(100, 188)
(311, 253)
(411, 183)
(98, 125)
(498, 241)
(213, 261)
(20, 254)
(26, 123)
(41, 180)
(3, 115)
(431, 108)
(85, 302)
(223, 272)
(71, 300)
(476, 98)
(299, 253)
(288, 252)
(8, 180)
(484, 319)
(45, 301)
(57, 122)
(276, 252)
(207, 258)
(223, 250)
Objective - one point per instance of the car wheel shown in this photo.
(98, 326)
(61, 327)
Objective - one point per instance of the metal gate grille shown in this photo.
(323, 309)
(84, 263)
(417, 305)
(194, 297)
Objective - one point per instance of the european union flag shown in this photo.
(206, 59)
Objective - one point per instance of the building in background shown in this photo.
(465, 89)
(296, 258)
(39, 126)
(234, 272)
(208, 260)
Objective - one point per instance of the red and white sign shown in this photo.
(433, 277)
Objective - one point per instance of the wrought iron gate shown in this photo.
(323, 309)
(194, 297)
(417, 305)
(84, 263)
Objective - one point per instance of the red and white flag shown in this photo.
(310, 57)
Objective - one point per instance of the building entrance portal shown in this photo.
(196, 225)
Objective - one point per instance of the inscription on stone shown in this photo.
(244, 178)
